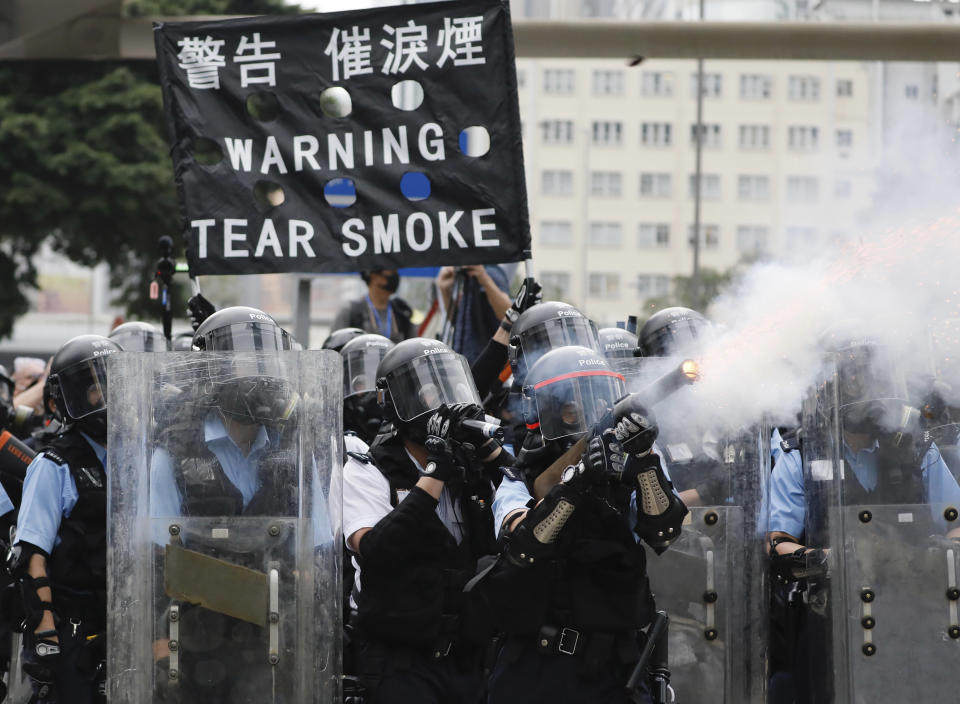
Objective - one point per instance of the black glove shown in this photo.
(634, 426)
(469, 443)
(199, 309)
(41, 657)
(604, 457)
(528, 295)
(442, 461)
(802, 563)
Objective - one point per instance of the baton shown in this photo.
(657, 630)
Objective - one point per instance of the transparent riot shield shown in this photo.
(881, 624)
(712, 582)
(224, 529)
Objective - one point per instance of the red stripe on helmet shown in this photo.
(574, 375)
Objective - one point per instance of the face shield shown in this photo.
(427, 382)
(252, 389)
(871, 393)
(247, 337)
(6, 390)
(679, 337)
(557, 332)
(570, 404)
(360, 368)
(141, 340)
(83, 387)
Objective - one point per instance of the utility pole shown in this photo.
(698, 176)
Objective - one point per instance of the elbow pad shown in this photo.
(660, 512)
(400, 533)
(535, 537)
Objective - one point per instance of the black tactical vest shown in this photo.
(422, 602)
(78, 564)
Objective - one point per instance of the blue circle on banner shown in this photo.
(340, 192)
(415, 185)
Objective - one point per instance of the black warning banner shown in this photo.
(345, 141)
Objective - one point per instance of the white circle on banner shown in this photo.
(474, 141)
(407, 95)
(336, 102)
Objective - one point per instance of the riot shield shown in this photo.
(712, 582)
(881, 624)
(224, 529)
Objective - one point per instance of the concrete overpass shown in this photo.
(97, 29)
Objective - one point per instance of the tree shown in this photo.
(85, 165)
(712, 284)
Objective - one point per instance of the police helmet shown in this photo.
(139, 337)
(568, 390)
(249, 387)
(338, 338)
(183, 341)
(78, 383)
(417, 376)
(543, 327)
(241, 329)
(672, 331)
(361, 357)
(617, 343)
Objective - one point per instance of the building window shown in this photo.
(842, 189)
(604, 285)
(608, 184)
(653, 235)
(803, 88)
(710, 134)
(608, 82)
(556, 284)
(558, 81)
(598, 8)
(755, 86)
(710, 236)
(753, 187)
(607, 133)
(844, 138)
(709, 186)
(712, 85)
(844, 88)
(521, 78)
(656, 84)
(649, 285)
(656, 134)
(752, 239)
(803, 139)
(798, 236)
(555, 182)
(557, 131)
(754, 137)
(556, 233)
(606, 234)
(912, 92)
(803, 189)
(655, 185)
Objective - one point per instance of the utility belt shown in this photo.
(593, 651)
(75, 610)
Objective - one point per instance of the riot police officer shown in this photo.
(60, 553)
(617, 343)
(362, 355)
(673, 331)
(571, 592)
(859, 525)
(417, 516)
(339, 337)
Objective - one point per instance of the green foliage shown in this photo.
(712, 284)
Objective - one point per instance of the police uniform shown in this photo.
(63, 514)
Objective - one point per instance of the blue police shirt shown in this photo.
(788, 506)
(49, 494)
(240, 469)
(6, 505)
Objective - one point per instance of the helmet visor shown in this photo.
(557, 332)
(427, 382)
(360, 368)
(83, 387)
(571, 404)
(6, 389)
(676, 338)
(253, 388)
(247, 337)
(141, 341)
(870, 390)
